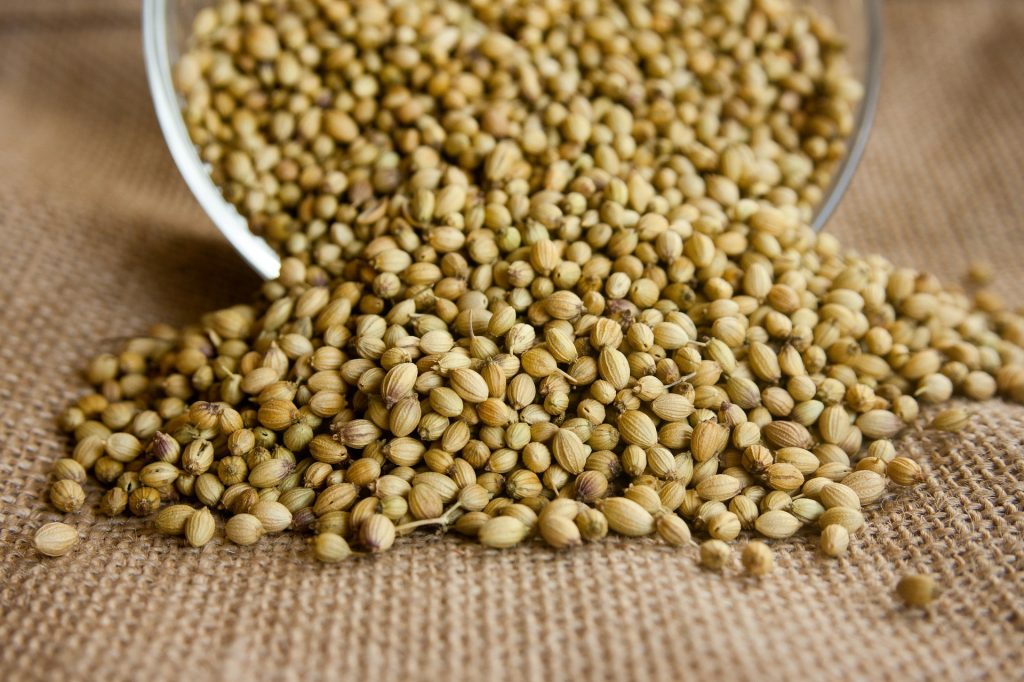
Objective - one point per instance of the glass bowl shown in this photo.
(165, 30)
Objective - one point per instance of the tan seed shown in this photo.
(720, 487)
(916, 590)
(200, 527)
(904, 471)
(330, 548)
(673, 530)
(757, 559)
(850, 519)
(569, 452)
(55, 539)
(777, 524)
(868, 485)
(559, 532)
(171, 520)
(626, 517)
(834, 540)
(274, 516)
(839, 495)
(67, 496)
(243, 529)
(714, 554)
(637, 428)
(503, 532)
(377, 533)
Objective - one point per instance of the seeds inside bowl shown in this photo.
(312, 115)
(548, 273)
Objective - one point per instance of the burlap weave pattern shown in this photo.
(100, 237)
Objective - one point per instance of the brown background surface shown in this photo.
(99, 237)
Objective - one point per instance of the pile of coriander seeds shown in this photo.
(547, 273)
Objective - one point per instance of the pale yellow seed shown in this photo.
(330, 548)
(171, 520)
(559, 531)
(243, 529)
(714, 554)
(626, 517)
(55, 539)
(757, 559)
(673, 530)
(904, 471)
(637, 428)
(273, 516)
(850, 519)
(200, 527)
(777, 524)
(834, 540)
(503, 532)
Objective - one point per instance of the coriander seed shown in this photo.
(916, 590)
(55, 539)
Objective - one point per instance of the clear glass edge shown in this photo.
(865, 117)
(232, 225)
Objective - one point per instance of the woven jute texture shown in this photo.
(99, 237)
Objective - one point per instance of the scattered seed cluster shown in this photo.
(550, 275)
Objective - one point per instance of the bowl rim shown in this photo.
(229, 221)
(864, 121)
(262, 258)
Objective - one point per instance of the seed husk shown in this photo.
(243, 529)
(788, 434)
(200, 527)
(69, 469)
(720, 487)
(469, 385)
(724, 526)
(839, 495)
(502, 532)
(880, 424)
(783, 476)
(398, 383)
(806, 509)
(171, 520)
(113, 502)
(273, 515)
(714, 554)
(916, 590)
(850, 519)
(330, 548)
(377, 533)
(834, 540)
(673, 530)
(67, 495)
(55, 539)
(626, 517)
(777, 524)
(559, 531)
(636, 428)
(757, 559)
(952, 420)
(708, 440)
(904, 471)
(868, 485)
(568, 450)
(593, 524)
(270, 473)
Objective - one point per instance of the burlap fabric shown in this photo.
(100, 237)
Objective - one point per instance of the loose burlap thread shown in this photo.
(99, 238)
